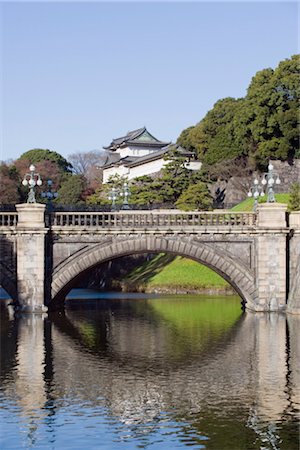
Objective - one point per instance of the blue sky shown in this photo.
(75, 75)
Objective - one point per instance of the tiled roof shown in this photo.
(135, 137)
(133, 161)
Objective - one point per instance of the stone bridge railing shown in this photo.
(142, 220)
(8, 219)
(135, 220)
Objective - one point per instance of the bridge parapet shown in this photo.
(148, 219)
(8, 219)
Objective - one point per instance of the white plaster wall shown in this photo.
(144, 169)
(111, 171)
(147, 169)
(133, 151)
(193, 165)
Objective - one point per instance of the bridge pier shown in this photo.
(31, 233)
(271, 260)
(293, 306)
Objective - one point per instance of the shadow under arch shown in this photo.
(8, 282)
(231, 269)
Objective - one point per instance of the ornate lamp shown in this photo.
(125, 194)
(266, 185)
(31, 180)
(49, 194)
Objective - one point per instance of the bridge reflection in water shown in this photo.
(173, 371)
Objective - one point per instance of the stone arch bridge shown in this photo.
(258, 254)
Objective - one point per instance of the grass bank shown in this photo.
(248, 203)
(168, 274)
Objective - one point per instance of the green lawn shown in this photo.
(248, 203)
(169, 272)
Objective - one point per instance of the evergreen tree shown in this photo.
(71, 190)
(195, 197)
(37, 155)
(294, 200)
(262, 125)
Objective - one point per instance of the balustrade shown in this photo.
(149, 220)
(8, 219)
(138, 220)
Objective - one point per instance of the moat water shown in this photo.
(121, 371)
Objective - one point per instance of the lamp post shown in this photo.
(256, 191)
(32, 179)
(115, 193)
(265, 185)
(50, 194)
(125, 194)
(269, 180)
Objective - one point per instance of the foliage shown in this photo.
(12, 191)
(103, 191)
(37, 155)
(71, 190)
(214, 137)
(175, 176)
(271, 113)
(99, 197)
(260, 126)
(146, 191)
(195, 197)
(294, 200)
(185, 139)
(168, 185)
(9, 186)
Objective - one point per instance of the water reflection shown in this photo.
(169, 372)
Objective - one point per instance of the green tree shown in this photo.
(195, 197)
(168, 185)
(145, 191)
(37, 155)
(185, 139)
(71, 191)
(268, 123)
(214, 137)
(99, 197)
(262, 125)
(175, 177)
(294, 199)
(10, 185)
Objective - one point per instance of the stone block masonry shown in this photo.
(31, 233)
(259, 255)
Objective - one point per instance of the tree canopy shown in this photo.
(260, 126)
(294, 200)
(71, 190)
(38, 154)
(195, 197)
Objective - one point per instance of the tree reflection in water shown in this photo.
(151, 372)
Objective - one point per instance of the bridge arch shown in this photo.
(231, 269)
